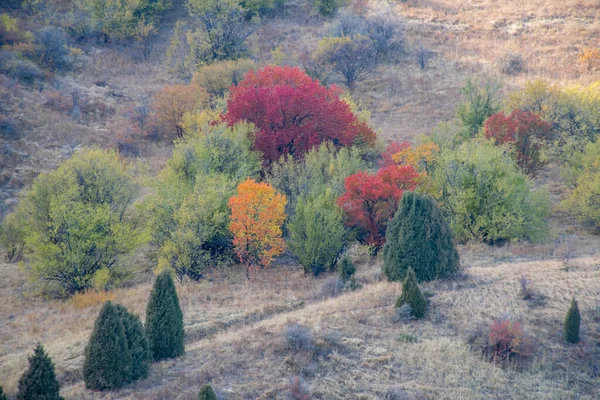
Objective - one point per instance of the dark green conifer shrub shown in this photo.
(164, 319)
(347, 269)
(137, 342)
(418, 237)
(411, 295)
(39, 381)
(2, 395)
(572, 321)
(207, 393)
(108, 361)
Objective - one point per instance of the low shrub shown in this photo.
(12, 236)
(505, 340)
(299, 338)
(511, 64)
(299, 389)
(347, 269)
(91, 298)
(404, 313)
(332, 287)
(411, 295)
(19, 69)
(207, 393)
(9, 129)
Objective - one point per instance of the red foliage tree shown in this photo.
(293, 112)
(370, 201)
(524, 130)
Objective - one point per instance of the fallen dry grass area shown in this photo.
(235, 332)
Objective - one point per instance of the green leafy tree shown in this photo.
(201, 238)
(583, 202)
(481, 101)
(485, 197)
(2, 395)
(108, 361)
(180, 60)
(137, 343)
(207, 393)
(411, 295)
(419, 238)
(317, 235)
(572, 322)
(119, 19)
(224, 27)
(164, 319)
(39, 381)
(78, 222)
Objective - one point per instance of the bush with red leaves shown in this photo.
(524, 130)
(370, 201)
(293, 113)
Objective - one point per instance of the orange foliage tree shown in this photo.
(171, 103)
(257, 214)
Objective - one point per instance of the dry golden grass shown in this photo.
(235, 332)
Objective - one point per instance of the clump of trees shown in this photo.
(120, 349)
(485, 197)
(582, 201)
(370, 201)
(419, 239)
(188, 215)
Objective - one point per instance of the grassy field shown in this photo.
(235, 332)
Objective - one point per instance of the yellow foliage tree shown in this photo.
(257, 214)
(590, 58)
(172, 102)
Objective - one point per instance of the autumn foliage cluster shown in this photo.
(257, 214)
(523, 130)
(293, 113)
(371, 200)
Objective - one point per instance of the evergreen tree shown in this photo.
(411, 295)
(418, 237)
(137, 342)
(164, 319)
(39, 381)
(108, 361)
(207, 393)
(347, 269)
(2, 395)
(572, 321)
